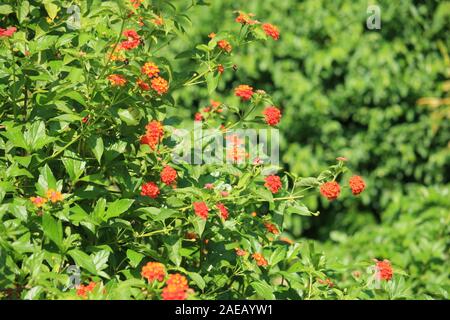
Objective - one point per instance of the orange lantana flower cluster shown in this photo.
(52, 195)
(153, 135)
(260, 260)
(154, 271)
(331, 189)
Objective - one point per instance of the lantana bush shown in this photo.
(93, 203)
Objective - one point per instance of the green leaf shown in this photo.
(95, 143)
(23, 11)
(46, 180)
(5, 9)
(16, 137)
(212, 81)
(199, 225)
(100, 260)
(36, 137)
(52, 229)
(52, 9)
(130, 116)
(134, 257)
(83, 260)
(265, 195)
(74, 167)
(197, 279)
(300, 209)
(263, 290)
(117, 207)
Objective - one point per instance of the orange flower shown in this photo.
(253, 214)
(150, 69)
(201, 209)
(223, 211)
(117, 80)
(132, 41)
(240, 252)
(384, 270)
(357, 184)
(158, 21)
(271, 31)
(168, 175)
(136, 3)
(220, 68)
(143, 85)
(273, 183)
(224, 45)
(326, 282)
(173, 293)
(38, 201)
(198, 116)
(271, 228)
(83, 290)
(160, 85)
(330, 190)
(259, 258)
(245, 18)
(150, 189)
(154, 134)
(244, 91)
(272, 115)
(8, 32)
(54, 196)
(153, 271)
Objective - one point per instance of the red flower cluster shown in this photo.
(150, 189)
(273, 183)
(8, 32)
(384, 270)
(223, 211)
(168, 175)
(244, 18)
(176, 288)
(201, 209)
(82, 290)
(224, 45)
(150, 69)
(272, 115)
(271, 228)
(330, 190)
(198, 116)
(357, 184)
(136, 3)
(244, 91)
(154, 134)
(271, 30)
(220, 68)
(259, 258)
(132, 41)
(143, 85)
(117, 80)
(153, 271)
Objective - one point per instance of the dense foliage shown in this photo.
(93, 97)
